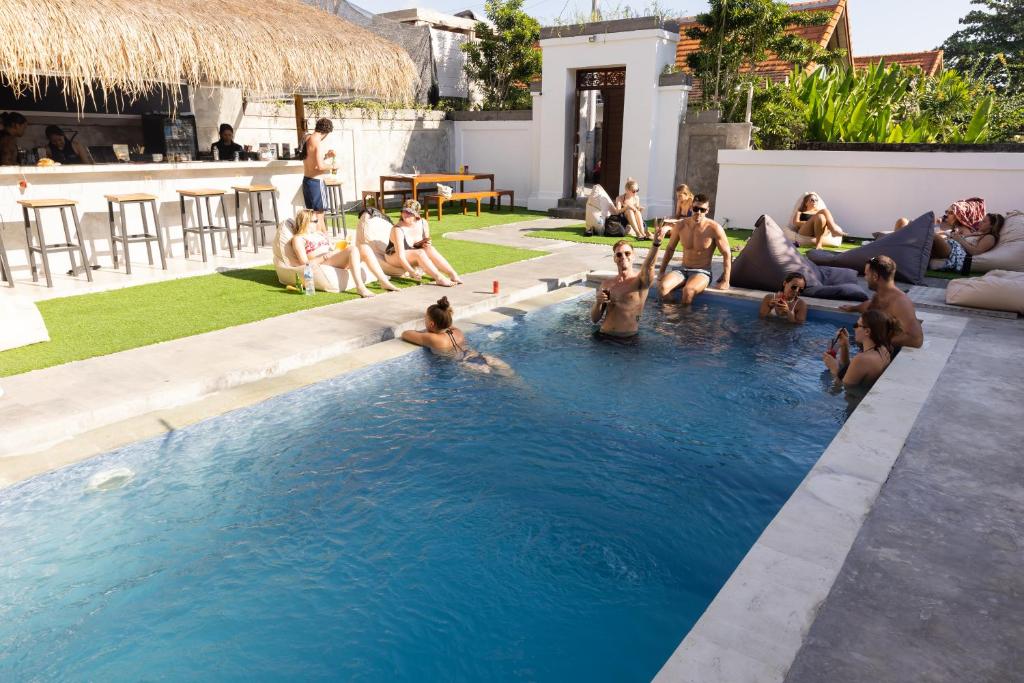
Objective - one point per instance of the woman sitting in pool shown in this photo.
(811, 218)
(311, 245)
(410, 248)
(873, 332)
(787, 304)
(444, 339)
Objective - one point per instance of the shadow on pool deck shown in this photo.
(933, 588)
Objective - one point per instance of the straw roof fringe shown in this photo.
(137, 46)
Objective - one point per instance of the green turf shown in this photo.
(106, 322)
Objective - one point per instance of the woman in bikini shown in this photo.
(313, 246)
(873, 332)
(813, 219)
(410, 248)
(444, 339)
(787, 304)
(628, 206)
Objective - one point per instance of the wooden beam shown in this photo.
(300, 120)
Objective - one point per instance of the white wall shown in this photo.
(866, 191)
(499, 147)
(644, 53)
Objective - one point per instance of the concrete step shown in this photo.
(570, 202)
(574, 213)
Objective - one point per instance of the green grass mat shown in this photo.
(91, 325)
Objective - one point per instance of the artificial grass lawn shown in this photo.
(106, 322)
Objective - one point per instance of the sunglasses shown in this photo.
(794, 288)
(863, 327)
(623, 254)
(700, 209)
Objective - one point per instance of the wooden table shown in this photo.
(416, 179)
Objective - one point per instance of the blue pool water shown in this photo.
(414, 521)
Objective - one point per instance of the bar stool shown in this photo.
(124, 238)
(200, 197)
(335, 205)
(45, 249)
(5, 266)
(256, 218)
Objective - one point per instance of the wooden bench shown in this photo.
(440, 200)
(404, 194)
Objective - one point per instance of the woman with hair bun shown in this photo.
(444, 339)
(873, 332)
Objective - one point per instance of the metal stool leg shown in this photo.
(28, 244)
(81, 243)
(5, 266)
(145, 231)
(252, 222)
(113, 236)
(227, 226)
(341, 205)
(42, 247)
(184, 224)
(259, 203)
(124, 240)
(199, 227)
(277, 220)
(156, 228)
(238, 220)
(67, 239)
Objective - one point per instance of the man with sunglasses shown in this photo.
(880, 273)
(620, 300)
(700, 236)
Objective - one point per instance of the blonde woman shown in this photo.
(812, 219)
(410, 248)
(683, 206)
(628, 206)
(311, 245)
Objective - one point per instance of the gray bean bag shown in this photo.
(769, 256)
(910, 248)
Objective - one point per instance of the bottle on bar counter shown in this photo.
(216, 153)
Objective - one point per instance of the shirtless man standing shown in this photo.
(699, 236)
(317, 162)
(620, 300)
(880, 273)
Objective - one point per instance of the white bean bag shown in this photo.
(1008, 254)
(20, 323)
(998, 290)
(325, 278)
(828, 240)
(599, 207)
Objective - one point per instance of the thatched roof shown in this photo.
(134, 46)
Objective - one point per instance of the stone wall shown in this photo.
(700, 137)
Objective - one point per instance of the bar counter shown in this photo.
(89, 184)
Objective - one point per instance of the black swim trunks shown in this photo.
(630, 340)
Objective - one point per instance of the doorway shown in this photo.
(597, 143)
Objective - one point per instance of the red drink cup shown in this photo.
(495, 287)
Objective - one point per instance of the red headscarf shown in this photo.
(969, 212)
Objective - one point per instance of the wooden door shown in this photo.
(611, 142)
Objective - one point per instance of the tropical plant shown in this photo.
(889, 103)
(503, 60)
(737, 35)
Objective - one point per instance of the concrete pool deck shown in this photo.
(790, 602)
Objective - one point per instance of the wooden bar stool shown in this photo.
(200, 197)
(44, 249)
(335, 205)
(256, 217)
(5, 266)
(124, 238)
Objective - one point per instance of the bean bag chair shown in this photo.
(599, 206)
(1008, 254)
(999, 290)
(375, 230)
(325, 278)
(20, 323)
(769, 256)
(910, 248)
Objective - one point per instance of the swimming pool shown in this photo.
(415, 521)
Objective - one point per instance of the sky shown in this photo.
(877, 26)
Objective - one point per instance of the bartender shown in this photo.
(226, 147)
(63, 151)
(14, 127)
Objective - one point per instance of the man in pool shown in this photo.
(699, 236)
(620, 300)
(880, 273)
